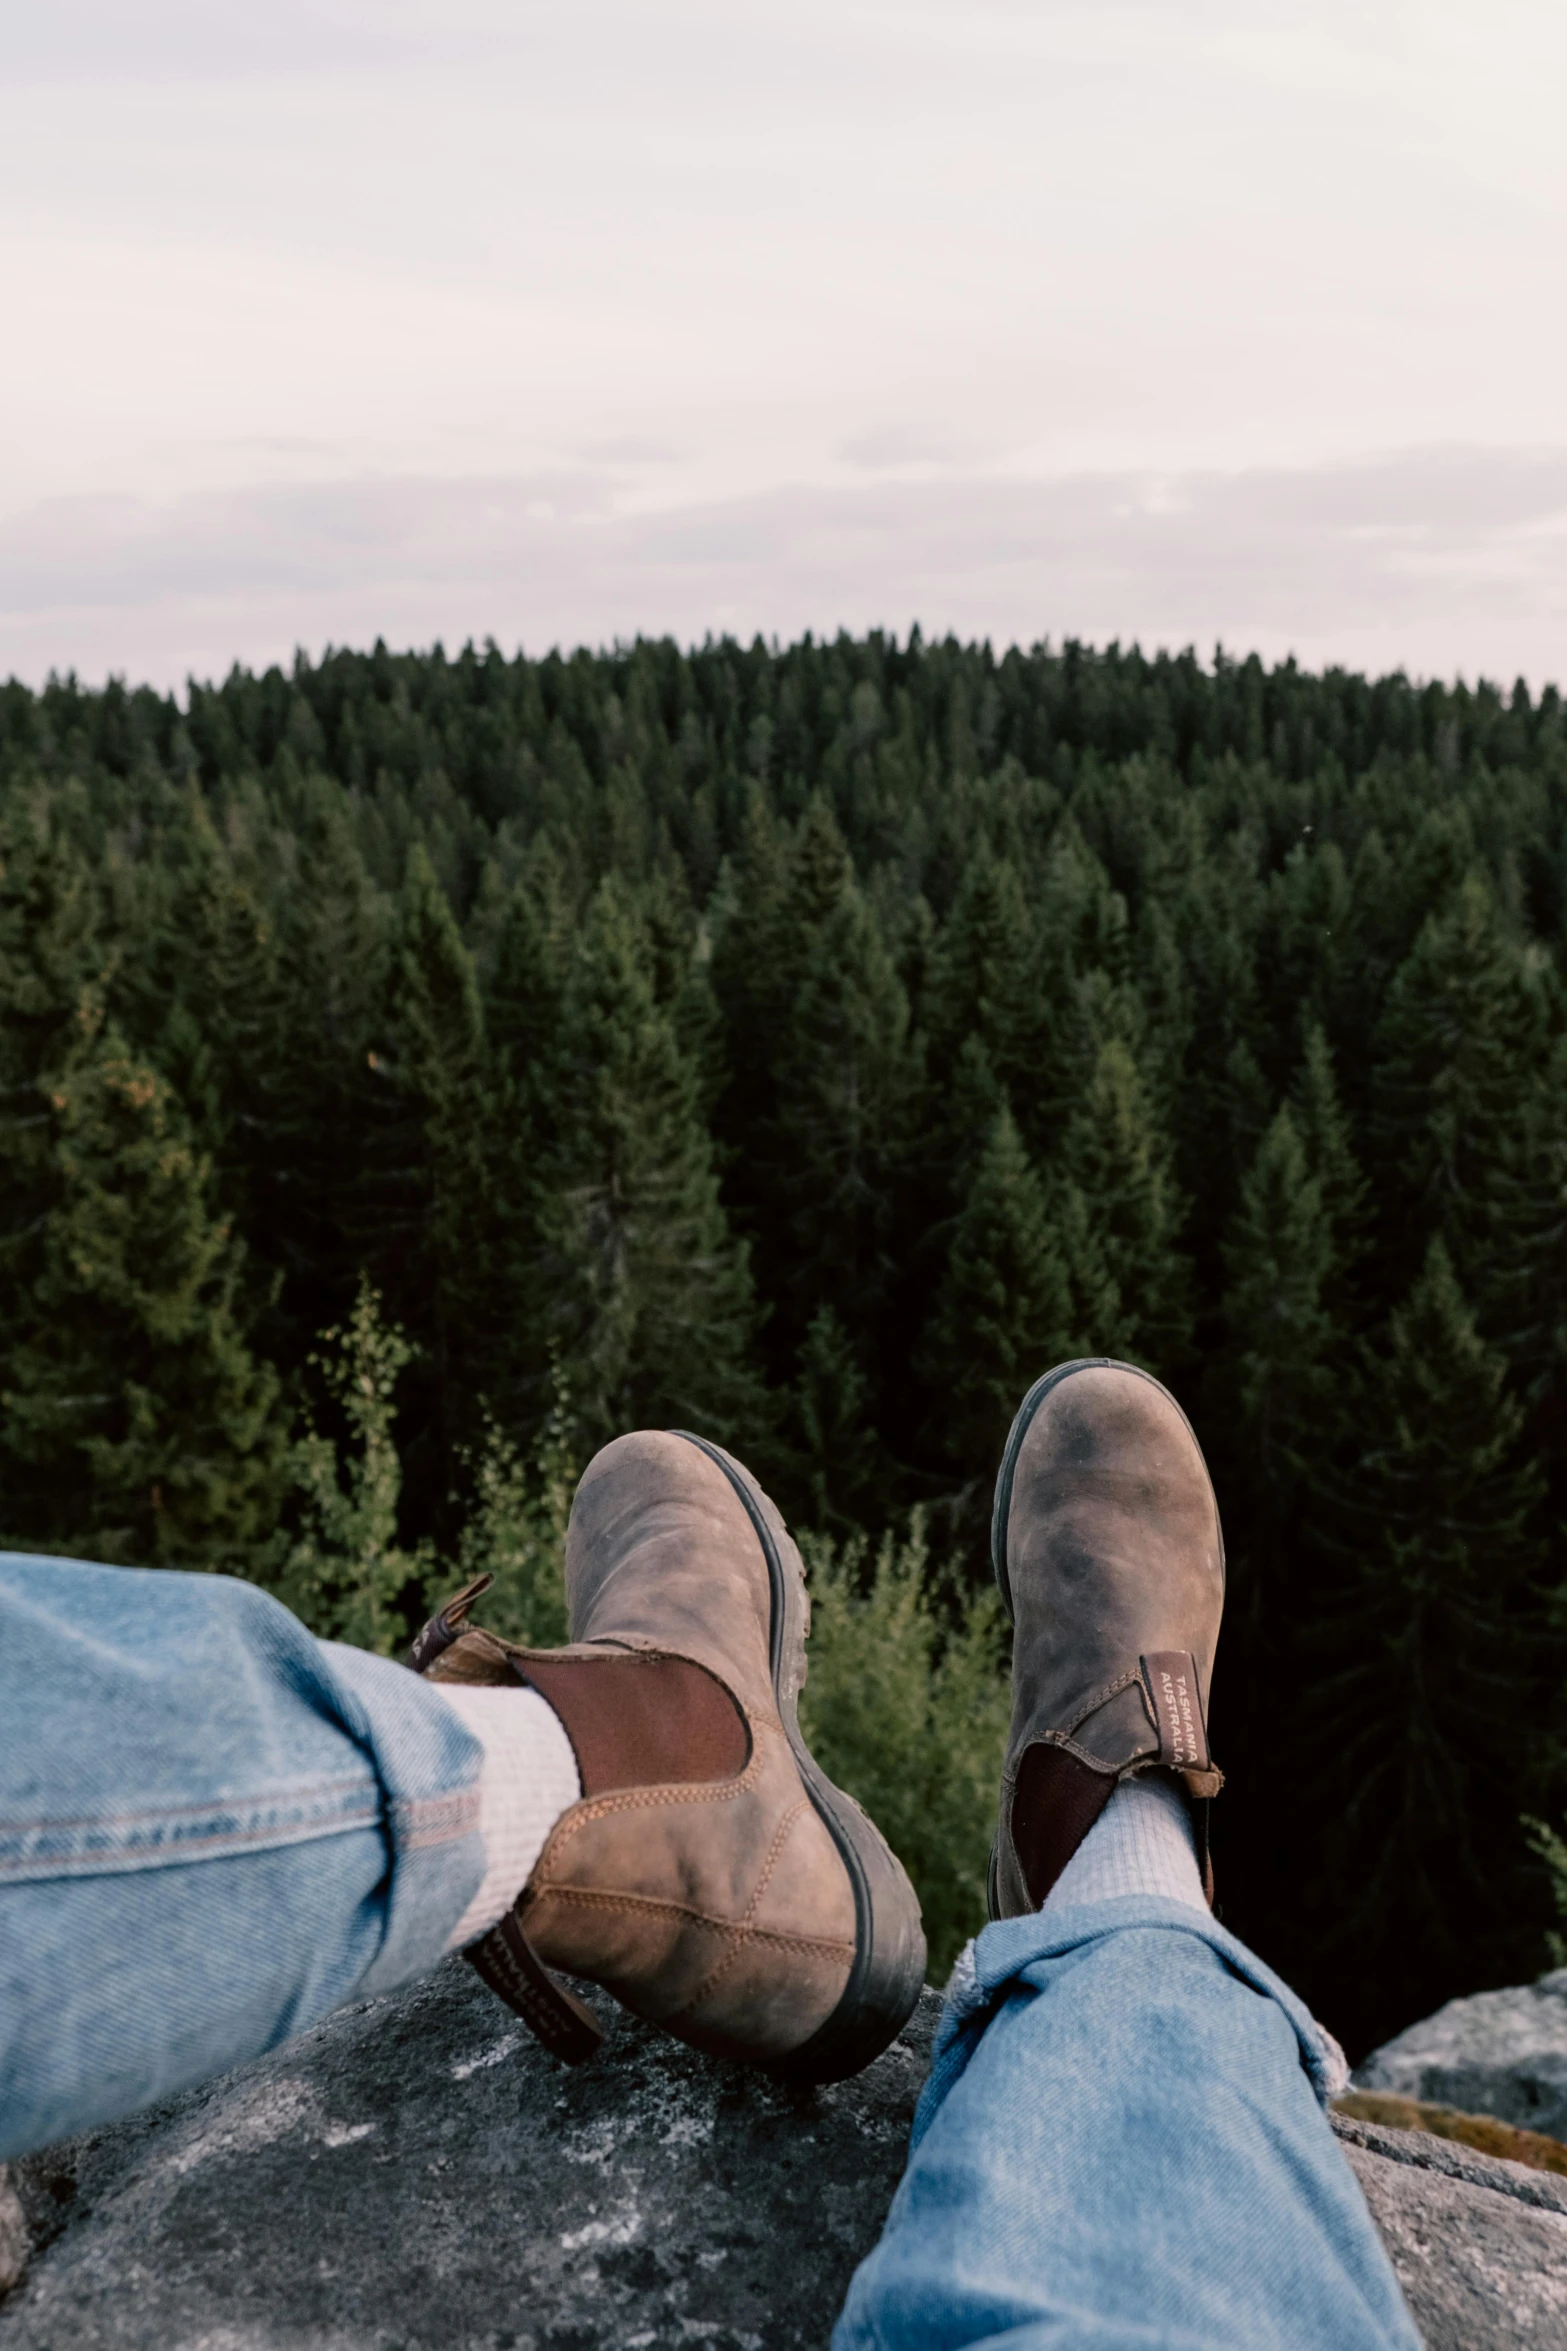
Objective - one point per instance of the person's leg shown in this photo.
(1121, 2147)
(213, 1829)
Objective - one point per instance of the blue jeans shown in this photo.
(1122, 2147)
(214, 1829)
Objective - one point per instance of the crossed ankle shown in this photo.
(528, 1778)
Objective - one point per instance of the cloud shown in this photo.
(899, 445)
(1439, 562)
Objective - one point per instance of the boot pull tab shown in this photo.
(439, 1632)
(512, 1968)
(1170, 1678)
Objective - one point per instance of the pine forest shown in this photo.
(418, 1069)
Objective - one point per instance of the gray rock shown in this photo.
(14, 2245)
(1519, 2182)
(415, 2175)
(1501, 2053)
(1480, 2247)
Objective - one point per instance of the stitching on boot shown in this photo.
(745, 1930)
(641, 1905)
(589, 1809)
(1094, 1762)
(1101, 1698)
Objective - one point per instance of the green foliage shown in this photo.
(1118, 1218)
(1552, 1850)
(516, 1529)
(135, 1418)
(1459, 1047)
(843, 1079)
(442, 1072)
(906, 1707)
(1004, 1312)
(346, 1573)
(650, 1297)
(1416, 1747)
(1281, 1259)
(829, 1406)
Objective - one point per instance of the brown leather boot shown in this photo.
(1107, 1548)
(711, 1877)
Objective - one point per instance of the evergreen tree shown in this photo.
(1327, 1146)
(1117, 1215)
(1459, 1048)
(1281, 1259)
(768, 912)
(961, 1108)
(840, 1465)
(320, 1150)
(649, 1294)
(983, 985)
(137, 1424)
(201, 996)
(428, 1210)
(1275, 1401)
(845, 1087)
(1305, 941)
(55, 969)
(1003, 1313)
(1221, 1105)
(1525, 1248)
(1289, 1258)
(754, 949)
(1424, 1718)
(1083, 990)
(441, 1069)
(820, 870)
(528, 977)
(523, 1013)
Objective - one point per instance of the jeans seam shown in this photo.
(295, 1794)
(113, 1854)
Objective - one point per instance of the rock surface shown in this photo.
(14, 2246)
(1501, 2053)
(414, 2175)
(1480, 2247)
(1480, 2131)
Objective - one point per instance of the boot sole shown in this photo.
(888, 1972)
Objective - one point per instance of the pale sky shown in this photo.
(1194, 320)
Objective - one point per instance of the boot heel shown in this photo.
(888, 1973)
(889, 1968)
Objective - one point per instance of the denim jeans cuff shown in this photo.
(987, 1967)
(428, 1765)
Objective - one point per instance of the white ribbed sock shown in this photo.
(527, 1780)
(1140, 1844)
